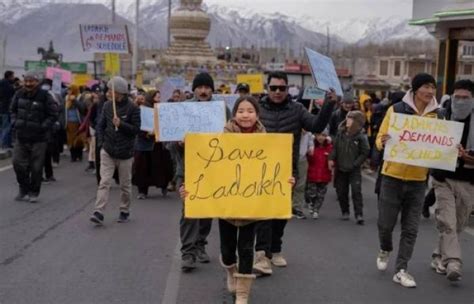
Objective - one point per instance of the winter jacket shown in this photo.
(318, 169)
(33, 115)
(398, 170)
(119, 143)
(350, 151)
(291, 117)
(6, 94)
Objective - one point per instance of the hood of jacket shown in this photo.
(409, 100)
(233, 127)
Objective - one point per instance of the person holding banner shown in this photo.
(454, 191)
(116, 132)
(194, 232)
(403, 186)
(279, 114)
(152, 164)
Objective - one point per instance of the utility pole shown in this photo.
(113, 11)
(135, 43)
(328, 44)
(4, 51)
(169, 23)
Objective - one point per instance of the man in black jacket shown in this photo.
(454, 190)
(116, 135)
(33, 112)
(281, 115)
(6, 94)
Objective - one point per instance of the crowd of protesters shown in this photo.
(337, 140)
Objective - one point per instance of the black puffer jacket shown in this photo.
(119, 144)
(33, 115)
(292, 117)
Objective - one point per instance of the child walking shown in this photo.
(351, 149)
(237, 237)
(319, 174)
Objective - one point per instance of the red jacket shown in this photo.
(318, 169)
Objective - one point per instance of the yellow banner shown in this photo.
(81, 79)
(238, 176)
(255, 81)
(111, 64)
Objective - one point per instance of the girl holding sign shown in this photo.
(239, 235)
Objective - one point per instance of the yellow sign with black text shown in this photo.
(238, 176)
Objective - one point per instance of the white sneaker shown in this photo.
(382, 260)
(404, 279)
(315, 215)
(278, 260)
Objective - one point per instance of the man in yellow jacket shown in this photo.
(403, 186)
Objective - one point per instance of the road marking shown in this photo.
(6, 168)
(170, 295)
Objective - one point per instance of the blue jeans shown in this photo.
(5, 132)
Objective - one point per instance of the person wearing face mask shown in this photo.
(33, 112)
(402, 188)
(454, 191)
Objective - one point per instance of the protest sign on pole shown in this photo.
(323, 71)
(255, 81)
(176, 119)
(105, 38)
(423, 142)
(238, 176)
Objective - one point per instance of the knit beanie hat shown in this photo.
(421, 79)
(120, 85)
(203, 79)
(36, 75)
(358, 117)
(348, 97)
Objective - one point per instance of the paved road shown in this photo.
(50, 253)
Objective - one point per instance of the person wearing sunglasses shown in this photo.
(281, 115)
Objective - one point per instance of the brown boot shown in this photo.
(244, 283)
(231, 280)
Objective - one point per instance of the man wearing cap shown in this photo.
(194, 232)
(242, 89)
(340, 114)
(33, 112)
(116, 135)
(403, 186)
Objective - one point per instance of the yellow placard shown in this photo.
(81, 79)
(238, 176)
(111, 63)
(255, 81)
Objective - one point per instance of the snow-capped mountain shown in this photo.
(32, 23)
